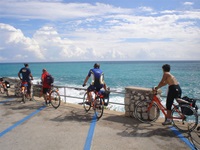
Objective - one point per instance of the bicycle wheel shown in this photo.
(86, 103)
(55, 99)
(98, 107)
(6, 90)
(185, 122)
(23, 97)
(2, 89)
(143, 114)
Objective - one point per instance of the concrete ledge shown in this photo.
(134, 95)
(134, 88)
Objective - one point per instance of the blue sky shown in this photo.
(84, 30)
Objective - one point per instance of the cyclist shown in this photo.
(174, 91)
(45, 85)
(5, 85)
(97, 80)
(26, 77)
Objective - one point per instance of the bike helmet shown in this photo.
(96, 65)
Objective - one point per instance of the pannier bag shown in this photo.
(188, 111)
(105, 97)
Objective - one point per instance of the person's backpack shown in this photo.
(187, 111)
(50, 79)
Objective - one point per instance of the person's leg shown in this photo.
(169, 102)
(29, 90)
(89, 94)
(45, 95)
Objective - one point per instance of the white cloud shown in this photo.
(99, 32)
(55, 11)
(188, 3)
(13, 42)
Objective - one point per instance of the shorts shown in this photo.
(174, 91)
(28, 86)
(94, 87)
(45, 90)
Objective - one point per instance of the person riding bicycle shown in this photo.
(97, 80)
(174, 91)
(26, 77)
(45, 85)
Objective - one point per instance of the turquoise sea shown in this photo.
(118, 75)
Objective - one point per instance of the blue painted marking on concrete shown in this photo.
(184, 139)
(88, 141)
(7, 100)
(21, 121)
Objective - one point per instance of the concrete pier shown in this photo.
(31, 126)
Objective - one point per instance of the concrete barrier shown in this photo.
(134, 95)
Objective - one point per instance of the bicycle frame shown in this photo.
(157, 101)
(50, 90)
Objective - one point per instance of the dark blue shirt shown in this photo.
(25, 74)
(97, 76)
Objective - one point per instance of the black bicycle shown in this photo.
(4, 85)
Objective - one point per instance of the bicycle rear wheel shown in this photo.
(185, 122)
(55, 99)
(2, 89)
(98, 107)
(86, 103)
(143, 114)
(6, 90)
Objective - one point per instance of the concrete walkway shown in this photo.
(32, 126)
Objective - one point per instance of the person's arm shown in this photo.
(42, 79)
(31, 76)
(162, 82)
(19, 76)
(86, 79)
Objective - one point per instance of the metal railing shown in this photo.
(76, 97)
(84, 89)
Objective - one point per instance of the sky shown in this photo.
(104, 30)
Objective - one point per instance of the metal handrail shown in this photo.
(84, 89)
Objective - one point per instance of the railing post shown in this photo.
(65, 94)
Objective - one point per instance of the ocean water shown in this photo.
(118, 75)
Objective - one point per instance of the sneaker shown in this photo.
(167, 122)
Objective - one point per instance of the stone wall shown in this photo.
(16, 87)
(133, 96)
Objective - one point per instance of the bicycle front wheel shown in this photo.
(145, 113)
(55, 99)
(99, 108)
(184, 118)
(86, 103)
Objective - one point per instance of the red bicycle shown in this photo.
(184, 116)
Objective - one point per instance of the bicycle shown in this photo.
(148, 111)
(54, 97)
(24, 94)
(4, 85)
(98, 102)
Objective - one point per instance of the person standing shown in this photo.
(45, 85)
(26, 77)
(174, 91)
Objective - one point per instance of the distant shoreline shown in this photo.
(114, 61)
